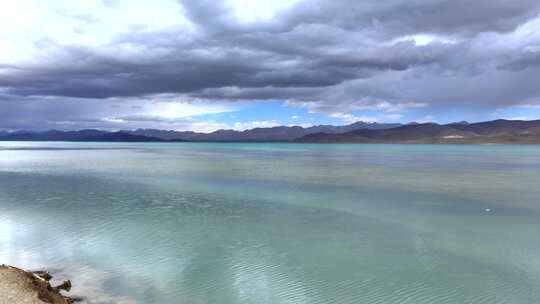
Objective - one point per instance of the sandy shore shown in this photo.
(23, 287)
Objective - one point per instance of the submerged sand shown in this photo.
(23, 287)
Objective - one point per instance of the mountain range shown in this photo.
(496, 131)
(80, 135)
(273, 134)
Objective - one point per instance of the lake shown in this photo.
(276, 223)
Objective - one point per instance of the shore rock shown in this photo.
(22, 287)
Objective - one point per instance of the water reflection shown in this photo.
(143, 223)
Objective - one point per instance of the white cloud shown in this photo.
(257, 11)
(114, 120)
(254, 124)
(303, 125)
(160, 111)
(174, 108)
(391, 107)
(349, 118)
(29, 28)
(424, 39)
(352, 105)
(427, 118)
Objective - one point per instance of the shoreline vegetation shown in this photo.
(490, 132)
(31, 287)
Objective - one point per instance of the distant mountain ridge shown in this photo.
(80, 135)
(273, 134)
(496, 131)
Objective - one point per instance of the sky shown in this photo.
(237, 64)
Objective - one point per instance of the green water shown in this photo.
(276, 223)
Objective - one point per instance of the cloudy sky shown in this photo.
(205, 65)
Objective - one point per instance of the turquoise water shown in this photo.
(276, 223)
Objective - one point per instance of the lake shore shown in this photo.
(25, 287)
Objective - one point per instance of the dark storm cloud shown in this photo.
(46, 113)
(457, 17)
(84, 73)
(521, 61)
(67, 113)
(394, 17)
(332, 56)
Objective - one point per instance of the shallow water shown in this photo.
(276, 223)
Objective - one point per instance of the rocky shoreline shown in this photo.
(31, 287)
